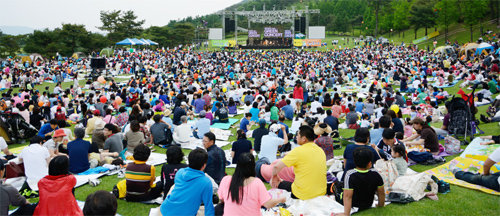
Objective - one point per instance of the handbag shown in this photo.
(451, 145)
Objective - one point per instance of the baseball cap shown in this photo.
(275, 128)
(183, 103)
(97, 112)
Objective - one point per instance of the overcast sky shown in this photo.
(40, 14)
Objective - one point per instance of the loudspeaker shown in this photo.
(303, 25)
(98, 63)
(229, 25)
(296, 27)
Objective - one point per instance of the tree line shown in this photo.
(368, 17)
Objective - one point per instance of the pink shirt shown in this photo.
(254, 196)
(286, 173)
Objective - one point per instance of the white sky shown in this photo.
(40, 14)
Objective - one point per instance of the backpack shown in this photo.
(60, 115)
(388, 171)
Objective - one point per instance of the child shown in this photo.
(399, 155)
(361, 183)
(413, 112)
(408, 128)
(365, 121)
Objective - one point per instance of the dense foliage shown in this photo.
(367, 17)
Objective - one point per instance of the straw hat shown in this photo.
(320, 129)
(167, 112)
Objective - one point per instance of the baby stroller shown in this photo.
(462, 119)
(14, 129)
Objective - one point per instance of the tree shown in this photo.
(183, 33)
(120, 25)
(377, 6)
(401, 8)
(473, 12)
(447, 13)
(422, 15)
(73, 36)
(8, 45)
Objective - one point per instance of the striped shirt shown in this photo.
(140, 178)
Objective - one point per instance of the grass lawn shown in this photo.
(460, 201)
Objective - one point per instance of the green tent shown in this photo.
(106, 52)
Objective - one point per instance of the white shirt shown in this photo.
(35, 162)
(495, 156)
(314, 106)
(182, 133)
(269, 146)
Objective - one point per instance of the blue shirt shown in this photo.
(280, 133)
(45, 129)
(332, 122)
(198, 105)
(349, 158)
(359, 107)
(255, 114)
(376, 135)
(192, 188)
(288, 111)
(78, 151)
(243, 124)
(203, 126)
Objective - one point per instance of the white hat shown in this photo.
(183, 103)
(275, 128)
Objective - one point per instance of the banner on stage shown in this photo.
(223, 43)
(307, 42)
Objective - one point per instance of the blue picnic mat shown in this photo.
(224, 126)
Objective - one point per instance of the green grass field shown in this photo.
(460, 201)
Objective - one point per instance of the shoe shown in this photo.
(484, 119)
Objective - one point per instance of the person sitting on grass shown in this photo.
(191, 188)
(309, 163)
(46, 129)
(240, 146)
(56, 190)
(485, 179)
(243, 193)
(100, 203)
(173, 165)
(78, 152)
(10, 196)
(53, 144)
(141, 177)
(361, 183)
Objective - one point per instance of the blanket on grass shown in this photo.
(225, 126)
(475, 148)
(444, 173)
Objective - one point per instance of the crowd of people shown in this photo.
(172, 97)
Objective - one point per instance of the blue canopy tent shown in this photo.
(138, 42)
(152, 42)
(127, 41)
(484, 46)
(145, 41)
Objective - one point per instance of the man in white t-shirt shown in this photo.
(36, 159)
(271, 142)
(5, 149)
(485, 179)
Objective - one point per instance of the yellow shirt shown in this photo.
(309, 164)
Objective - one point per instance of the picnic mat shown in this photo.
(444, 173)
(154, 159)
(475, 148)
(446, 85)
(17, 150)
(224, 126)
(197, 143)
